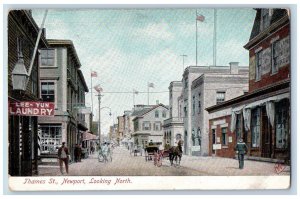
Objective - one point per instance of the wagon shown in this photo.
(150, 152)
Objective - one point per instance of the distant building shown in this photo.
(173, 126)
(262, 116)
(204, 86)
(61, 82)
(148, 123)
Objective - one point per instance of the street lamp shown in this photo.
(19, 75)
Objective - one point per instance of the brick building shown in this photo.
(261, 117)
(22, 130)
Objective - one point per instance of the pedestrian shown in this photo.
(105, 151)
(241, 149)
(150, 143)
(79, 152)
(63, 154)
(167, 146)
(76, 153)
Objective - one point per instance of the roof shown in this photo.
(147, 110)
(67, 43)
(279, 18)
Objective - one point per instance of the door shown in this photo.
(213, 141)
(266, 135)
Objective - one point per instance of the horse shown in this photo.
(175, 152)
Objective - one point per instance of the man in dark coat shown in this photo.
(242, 149)
(63, 156)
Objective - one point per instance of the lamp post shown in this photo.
(99, 98)
(19, 75)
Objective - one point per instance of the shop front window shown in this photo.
(50, 138)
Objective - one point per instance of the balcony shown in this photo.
(173, 120)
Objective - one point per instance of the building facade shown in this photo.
(148, 125)
(262, 117)
(22, 137)
(61, 82)
(202, 87)
(173, 126)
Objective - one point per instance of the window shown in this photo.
(220, 97)
(164, 114)
(238, 130)
(156, 114)
(258, 65)
(50, 138)
(199, 136)
(170, 94)
(157, 126)
(265, 18)
(281, 127)
(255, 127)
(171, 109)
(48, 91)
(47, 57)
(275, 56)
(194, 106)
(185, 111)
(146, 126)
(224, 136)
(136, 125)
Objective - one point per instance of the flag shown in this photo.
(98, 88)
(151, 85)
(135, 92)
(94, 74)
(200, 18)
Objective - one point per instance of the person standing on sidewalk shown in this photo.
(63, 153)
(242, 149)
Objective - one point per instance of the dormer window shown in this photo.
(265, 18)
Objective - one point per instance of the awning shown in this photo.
(88, 136)
(261, 102)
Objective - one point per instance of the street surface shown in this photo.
(124, 164)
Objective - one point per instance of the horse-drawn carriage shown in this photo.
(152, 152)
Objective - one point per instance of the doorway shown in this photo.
(266, 144)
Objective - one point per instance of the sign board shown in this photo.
(195, 148)
(216, 146)
(230, 139)
(32, 108)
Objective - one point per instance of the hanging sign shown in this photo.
(32, 108)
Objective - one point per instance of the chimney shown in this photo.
(157, 102)
(234, 67)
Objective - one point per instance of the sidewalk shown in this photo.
(228, 166)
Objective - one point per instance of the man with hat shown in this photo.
(242, 149)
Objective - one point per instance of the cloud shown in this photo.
(158, 31)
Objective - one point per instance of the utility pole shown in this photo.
(99, 119)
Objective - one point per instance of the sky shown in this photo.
(130, 47)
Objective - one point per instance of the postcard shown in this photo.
(149, 99)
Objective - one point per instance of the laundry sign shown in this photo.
(30, 108)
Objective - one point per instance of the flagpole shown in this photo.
(196, 40)
(215, 27)
(133, 97)
(92, 93)
(148, 92)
